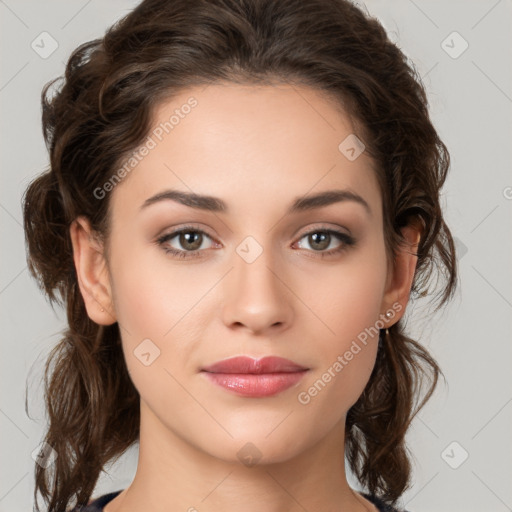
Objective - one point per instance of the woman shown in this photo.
(242, 196)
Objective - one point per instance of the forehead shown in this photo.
(253, 145)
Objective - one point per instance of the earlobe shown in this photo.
(403, 271)
(92, 272)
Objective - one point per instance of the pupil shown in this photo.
(188, 237)
(321, 238)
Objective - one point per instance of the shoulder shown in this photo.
(381, 505)
(96, 504)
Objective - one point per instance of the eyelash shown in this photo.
(347, 241)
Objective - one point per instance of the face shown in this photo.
(250, 274)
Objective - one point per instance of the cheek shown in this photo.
(151, 293)
(349, 298)
(350, 307)
(156, 300)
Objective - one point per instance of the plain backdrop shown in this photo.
(462, 49)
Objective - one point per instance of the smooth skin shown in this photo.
(257, 148)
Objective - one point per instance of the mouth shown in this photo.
(256, 385)
(248, 365)
(248, 377)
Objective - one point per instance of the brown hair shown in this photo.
(103, 111)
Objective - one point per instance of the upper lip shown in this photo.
(244, 364)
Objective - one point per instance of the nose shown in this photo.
(256, 296)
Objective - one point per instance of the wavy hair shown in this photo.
(103, 110)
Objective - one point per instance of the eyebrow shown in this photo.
(299, 204)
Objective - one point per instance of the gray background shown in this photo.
(471, 103)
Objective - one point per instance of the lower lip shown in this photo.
(256, 385)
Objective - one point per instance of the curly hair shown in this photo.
(103, 110)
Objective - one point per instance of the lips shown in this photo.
(252, 378)
(247, 365)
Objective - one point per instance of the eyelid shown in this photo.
(324, 227)
(346, 239)
(186, 227)
(301, 234)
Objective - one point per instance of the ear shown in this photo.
(401, 273)
(92, 272)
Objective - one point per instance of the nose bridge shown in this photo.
(255, 293)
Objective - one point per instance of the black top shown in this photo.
(98, 504)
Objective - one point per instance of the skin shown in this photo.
(257, 148)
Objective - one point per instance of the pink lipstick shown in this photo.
(255, 378)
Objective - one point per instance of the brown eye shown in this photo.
(189, 242)
(320, 239)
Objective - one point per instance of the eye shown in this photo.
(191, 240)
(321, 238)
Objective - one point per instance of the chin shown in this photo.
(257, 449)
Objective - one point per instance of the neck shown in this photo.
(174, 475)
